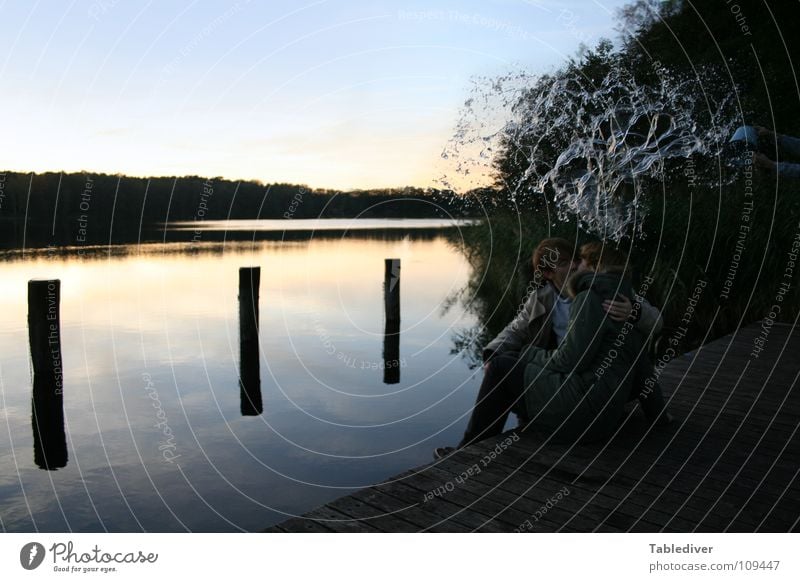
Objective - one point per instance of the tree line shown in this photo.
(81, 208)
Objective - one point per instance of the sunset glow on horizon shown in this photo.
(332, 94)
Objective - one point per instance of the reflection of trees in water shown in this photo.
(496, 285)
(220, 242)
(469, 342)
(489, 312)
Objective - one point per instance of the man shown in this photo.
(786, 145)
(542, 322)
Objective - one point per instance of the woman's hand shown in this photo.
(619, 309)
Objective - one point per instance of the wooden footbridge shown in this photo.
(728, 462)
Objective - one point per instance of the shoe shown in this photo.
(664, 419)
(442, 452)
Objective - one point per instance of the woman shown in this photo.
(578, 391)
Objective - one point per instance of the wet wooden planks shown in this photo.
(729, 462)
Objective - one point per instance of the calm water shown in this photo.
(320, 224)
(155, 435)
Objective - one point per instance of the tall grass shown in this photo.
(687, 254)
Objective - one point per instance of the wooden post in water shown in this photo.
(47, 403)
(249, 363)
(391, 288)
(391, 334)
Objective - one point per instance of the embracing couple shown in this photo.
(575, 353)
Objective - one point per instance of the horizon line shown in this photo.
(227, 179)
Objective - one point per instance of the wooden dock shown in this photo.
(729, 462)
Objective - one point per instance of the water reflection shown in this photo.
(41, 240)
(317, 224)
(150, 346)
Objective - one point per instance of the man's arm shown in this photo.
(783, 169)
(650, 321)
(786, 144)
(789, 144)
(788, 170)
(515, 335)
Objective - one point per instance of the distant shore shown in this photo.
(55, 209)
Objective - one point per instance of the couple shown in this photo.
(574, 355)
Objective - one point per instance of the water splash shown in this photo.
(595, 149)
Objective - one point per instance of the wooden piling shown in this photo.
(391, 289)
(47, 402)
(249, 362)
(391, 335)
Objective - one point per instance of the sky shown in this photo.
(328, 93)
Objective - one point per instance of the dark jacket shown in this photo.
(579, 390)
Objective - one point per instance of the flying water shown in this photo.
(598, 151)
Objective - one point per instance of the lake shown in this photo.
(159, 435)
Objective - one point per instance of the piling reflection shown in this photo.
(391, 334)
(47, 403)
(391, 352)
(249, 364)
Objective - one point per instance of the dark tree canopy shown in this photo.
(76, 209)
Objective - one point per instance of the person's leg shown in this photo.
(651, 401)
(503, 384)
(647, 390)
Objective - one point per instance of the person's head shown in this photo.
(601, 257)
(554, 260)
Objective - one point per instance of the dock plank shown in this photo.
(729, 462)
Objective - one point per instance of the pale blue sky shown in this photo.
(332, 93)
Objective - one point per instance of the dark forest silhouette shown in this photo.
(77, 209)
